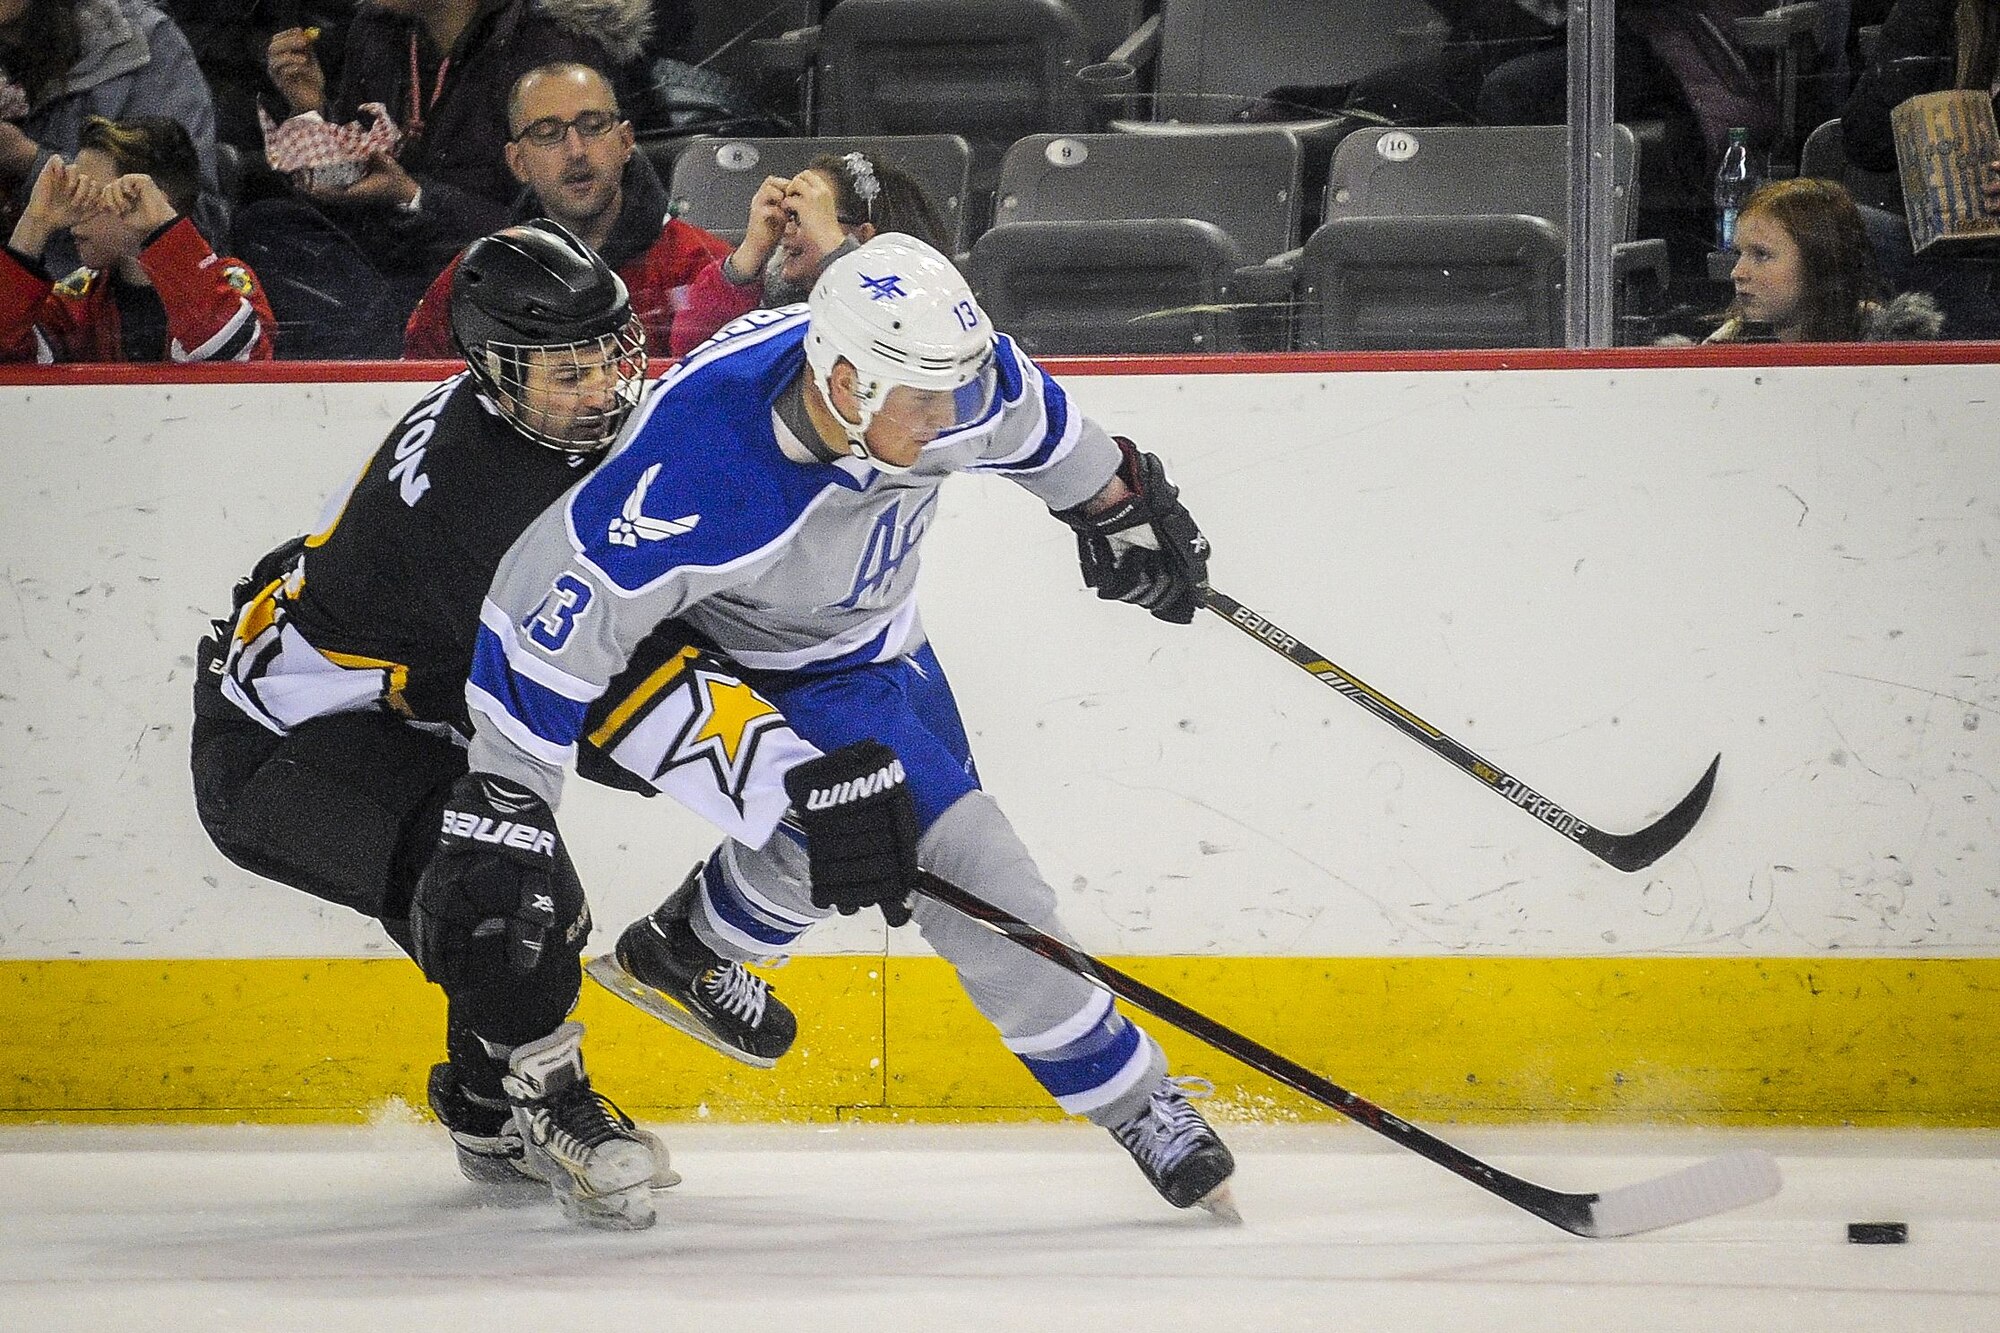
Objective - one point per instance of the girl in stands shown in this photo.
(1805, 273)
(798, 227)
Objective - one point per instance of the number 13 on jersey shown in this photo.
(550, 623)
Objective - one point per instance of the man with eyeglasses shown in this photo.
(572, 149)
(347, 263)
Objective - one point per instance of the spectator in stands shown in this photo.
(799, 226)
(1806, 273)
(1926, 46)
(573, 150)
(229, 37)
(347, 264)
(1676, 59)
(1678, 63)
(1440, 87)
(63, 61)
(151, 288)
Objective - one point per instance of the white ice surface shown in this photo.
(1035, 1227)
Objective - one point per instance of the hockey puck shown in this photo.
(1878, 1233)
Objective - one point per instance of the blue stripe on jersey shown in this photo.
(1087, 1064)
(555, 718)
(1055, 412)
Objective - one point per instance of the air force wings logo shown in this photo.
(632, 526)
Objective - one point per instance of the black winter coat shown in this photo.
(459, 158)
(1917, 53)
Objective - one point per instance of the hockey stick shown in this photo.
(1715, 1186)
(1626, 851)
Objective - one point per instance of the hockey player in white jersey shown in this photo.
(774, 498)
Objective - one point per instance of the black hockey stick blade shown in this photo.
(1625, 851)
(1636, 851)
(1703, 1190)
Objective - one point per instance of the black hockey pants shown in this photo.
(347, 808)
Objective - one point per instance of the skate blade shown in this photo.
(606, 972)
(1220, 1203)
(625, 1210)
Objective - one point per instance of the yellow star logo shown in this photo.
(733, 708)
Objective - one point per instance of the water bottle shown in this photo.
(1733, 184)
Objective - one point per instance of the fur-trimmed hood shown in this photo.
(1904, 317)
(621, 27)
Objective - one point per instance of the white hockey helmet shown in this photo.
(902, 315)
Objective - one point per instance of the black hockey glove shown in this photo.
(861, 829)
(497, 895)
(1145, 549)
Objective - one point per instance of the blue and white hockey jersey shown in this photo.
(706, 513)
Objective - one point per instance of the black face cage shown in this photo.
(555, 416)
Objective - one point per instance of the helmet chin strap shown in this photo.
(857, 431)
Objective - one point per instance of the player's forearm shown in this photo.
(492, 752)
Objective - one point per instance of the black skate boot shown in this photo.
(490, 1152)
(485, 1136)
(598, 1164)
(1177, 1150)
(662, 966)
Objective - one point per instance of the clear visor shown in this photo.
(572, 396)
(933, 412)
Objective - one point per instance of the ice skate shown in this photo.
(662, 966)
(599, 1165)
(489, 1146)
(1182, 1157)
(484, 1135)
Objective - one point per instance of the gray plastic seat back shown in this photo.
(1825, 157)
(1246, 184)
(1158, 285)
(1455, 171)
(1431, 282)
(1447, 237)
(714, 179)
(1218, 57)
(992, 70)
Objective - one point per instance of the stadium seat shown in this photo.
(713, 179)
(1224, 61)
(1246, 182)
(1133, 243)
(1453, 237)
(1825, 157)
(990, 70)
(1155, 285)
(1234, 62)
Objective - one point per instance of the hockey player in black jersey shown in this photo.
(330, 716)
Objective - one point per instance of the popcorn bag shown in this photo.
(331, 156)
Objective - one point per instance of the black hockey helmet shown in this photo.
(535, 296)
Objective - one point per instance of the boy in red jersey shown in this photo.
(151, 288)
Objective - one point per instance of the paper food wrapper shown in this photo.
(1943, 143)
(335, 155)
